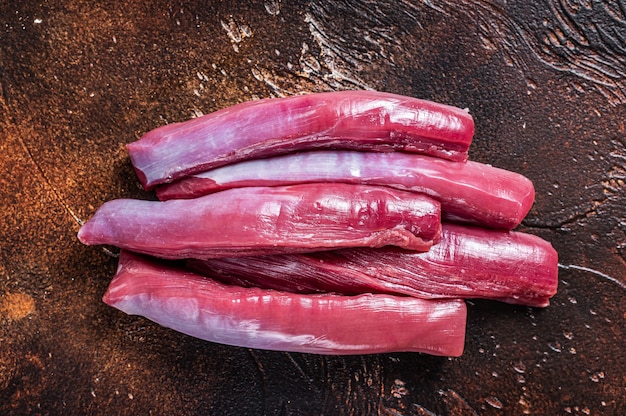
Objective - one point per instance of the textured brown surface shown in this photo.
(545, 82)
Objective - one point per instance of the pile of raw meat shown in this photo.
(334, 223)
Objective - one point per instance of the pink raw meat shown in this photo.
(363, 120)
(254, 221)
(468, 262)
(469, 192)
(274, 320)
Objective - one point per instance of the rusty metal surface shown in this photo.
(544, 80)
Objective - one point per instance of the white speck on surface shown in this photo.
(596, 377)
(273, 7)
(519, 367)
(494, 402)
(399, 389)
(556, 347)
(37, 21)
(237, 32)
(524, 403)
(335, 71)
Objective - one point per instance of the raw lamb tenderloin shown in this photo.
(470, 192)
(264, 220)
(362, 120)
(468, 262)
(275, 320)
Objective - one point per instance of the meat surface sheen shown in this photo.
(274, 320)
(469, 192)
(263, 220)
(363, 120)
(468, 262)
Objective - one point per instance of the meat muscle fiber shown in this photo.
(263, 220)
(274, 320)
(363, 120)
(470, 192)
(468, 262)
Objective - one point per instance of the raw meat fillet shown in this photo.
(468, 262)
(363, 120)
(252, 221)
(274, 320)
(469, 192)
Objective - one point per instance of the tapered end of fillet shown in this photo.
(97, 229)
(111, 222)
(112, 296)
(109, 298)
(117, 297)
(91, 233)
(84, 234)
(132, 269)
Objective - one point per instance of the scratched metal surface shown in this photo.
(544, 80)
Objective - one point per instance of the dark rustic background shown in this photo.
(544, 80)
